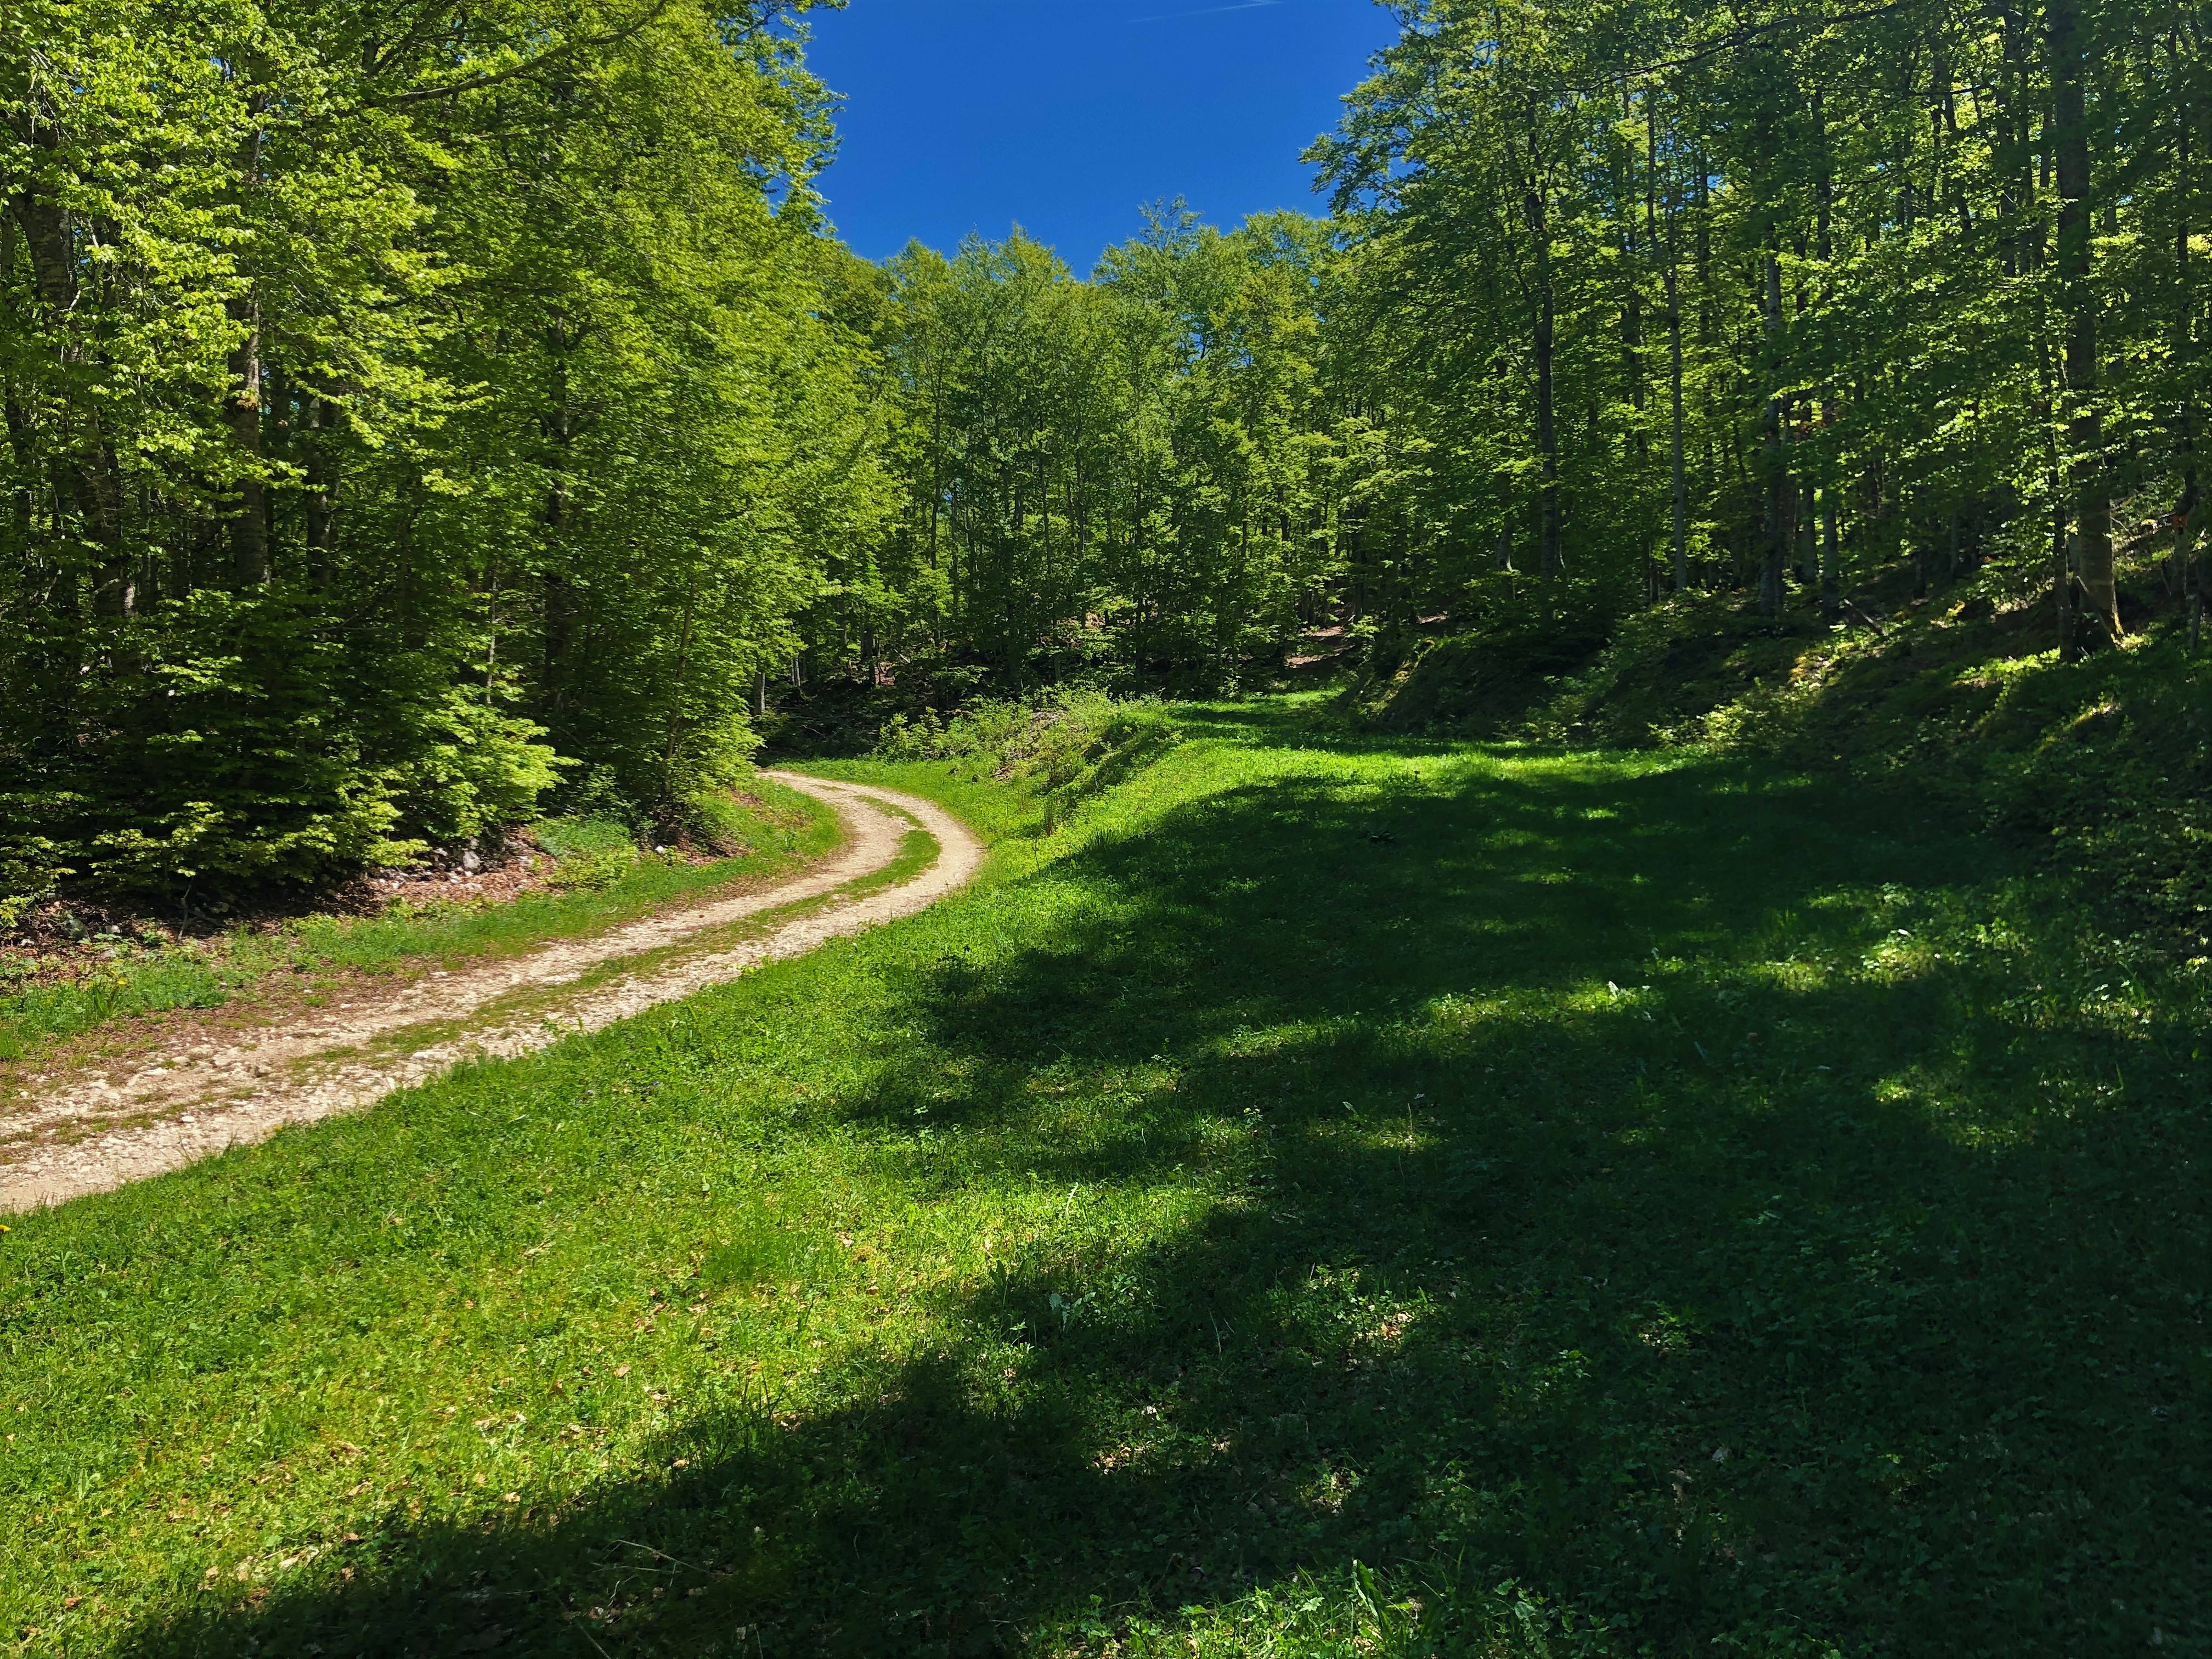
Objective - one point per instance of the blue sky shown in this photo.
(1066, 115)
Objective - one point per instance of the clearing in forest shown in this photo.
(1329, 1194)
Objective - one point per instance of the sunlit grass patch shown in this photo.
(1253, 1220)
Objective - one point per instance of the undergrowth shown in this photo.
(1067, 745)
(1960, 698)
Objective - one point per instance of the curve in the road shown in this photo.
(184, 1106)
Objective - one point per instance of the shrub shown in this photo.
(589, 851)
(1070, 742)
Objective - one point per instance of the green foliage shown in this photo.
(385, 435)
(2107, 760)
(592, 852)
(1343, 1193)
(1617, 305)
(30, 865)
(1128, 477)
(1066, 744)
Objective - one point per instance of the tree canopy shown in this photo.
(416, 413)
(412, 410)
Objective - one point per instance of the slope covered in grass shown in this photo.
(1959, 696)
(1334, 1195)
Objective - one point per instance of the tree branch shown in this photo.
(476, 83)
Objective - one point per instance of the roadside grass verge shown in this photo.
(1332, 1194)
(308, 957)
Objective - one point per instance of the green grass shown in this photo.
(787, 830)
(1334, 1195)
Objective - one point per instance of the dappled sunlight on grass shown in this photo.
(1260, 1215)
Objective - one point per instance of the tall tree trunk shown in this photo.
(2093, 507)
(323, 485)
(1832, 596)
(1778, 517)
(1824, 199)
(2063, 582)
(115, 587)
(1632, 310)
(1674, 393)
(249, 531)
(2184, 320)
(1547, 435)
(2016, 196)
(2054, 461)
(1681, 499)
(1809, 535)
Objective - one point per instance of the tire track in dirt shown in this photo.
(92, 1132)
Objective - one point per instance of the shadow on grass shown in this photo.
(1642, 1188)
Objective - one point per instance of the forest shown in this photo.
(1474, 925)
(419, 418)
(412, 412)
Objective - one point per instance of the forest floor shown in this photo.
(83, 1124)
(1332, 1192)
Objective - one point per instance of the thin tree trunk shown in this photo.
(115, 588)
(1548, 437)
(2092, 507)
(2062, 583)
(249, 531)
(1832, 595)
(2185, 530)
(1674, 396)
(491, 628)
(323, 485)
(1778, 518)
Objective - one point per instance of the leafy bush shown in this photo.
(589, 851)
(1070, 742)
(273, 753)
(470, 767)
(30, 864)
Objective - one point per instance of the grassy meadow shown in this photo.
(1330, 1195)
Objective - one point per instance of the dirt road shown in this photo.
(90, 1132)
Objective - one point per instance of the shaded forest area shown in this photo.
(419, 419)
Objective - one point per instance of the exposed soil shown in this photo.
(191, 1093)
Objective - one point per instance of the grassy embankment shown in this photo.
(604, 880)
(1335, 1194)
(1958, 697)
